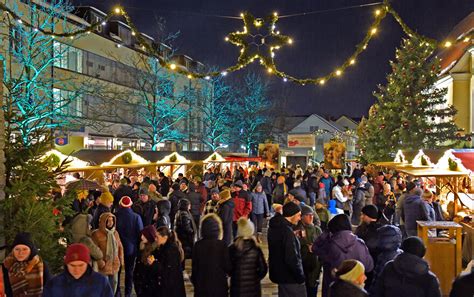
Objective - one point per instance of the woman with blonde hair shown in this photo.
(350, 279)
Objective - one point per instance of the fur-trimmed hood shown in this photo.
(211, 227)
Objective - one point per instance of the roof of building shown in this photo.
(451, 55)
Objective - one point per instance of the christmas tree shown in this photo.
(410, 113)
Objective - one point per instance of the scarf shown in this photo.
(26, 277)
(112, 246)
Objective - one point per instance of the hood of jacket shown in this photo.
(389, 238)
(103, 221)
(412, 199)
(164, 207)
(345, 240)
(410, 266)
(211, 227)
(279, 221)
(243, 245)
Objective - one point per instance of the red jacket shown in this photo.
(243, 204)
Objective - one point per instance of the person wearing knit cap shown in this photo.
(280, 190)
(408, 274)
(78, 279)
(350, 278)
(367, 231)
(24, 272)
(145, 207)
(211, 205)
(248, 262)
(225, 211)
(146, 270)
(129, 225)
(285, 263)
(260, 209)
(105, 205)
(413, 209)
(211, 262)
(337, 244)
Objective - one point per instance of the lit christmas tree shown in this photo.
(410, 113)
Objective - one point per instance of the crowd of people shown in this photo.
(358, 231)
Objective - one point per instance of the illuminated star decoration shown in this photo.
(258, 40)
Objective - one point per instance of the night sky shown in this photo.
(321, 41)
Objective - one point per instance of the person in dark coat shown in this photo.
(389, 239)
(123, 190)
(145, 207)
(408, 274)
(145, 275)
(129, 226)
(413, 210)
(195, 198)
(350, 277)
(164, 184)
(164, 208)
(248, 262)
(211, 263)
(78, 279)
(286, 267)
(337, 244)
(367, 231)
(463, 286)
(105, 205)
(358, 201)
(175, 196)
(185, 228)
(170, 272)
(225, 211)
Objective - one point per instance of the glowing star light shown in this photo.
(258, 40)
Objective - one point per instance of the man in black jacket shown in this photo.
(123, 190)
(286, 268)
(164, 184)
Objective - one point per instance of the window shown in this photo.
(67, 103)
(67, 57)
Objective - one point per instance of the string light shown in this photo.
(19, 21)
(377, 12)
(322, 81)
(467, 39)
(190, 76)
(226, 38)
(352, 62)
(338, 72)
(172, 66)
(290, 41)
(224, 73)
(448, 44)
(133, 33)
(373, 31)
(104, 23)
(118, 10)
(269, 70)
(285, 79)
(207, 77)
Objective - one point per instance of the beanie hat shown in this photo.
(413, 245)
(125, 202)
(143, 191)
(106, 197)
(211, 227)
(24, 238)
(215, 190)
(77, 252)
(150, 233)
(427, 194)
(245, 228)
(410, 186)
(290, 209)
(306, 210)
(297, 194)
(339, 223)
(238, 184)
(353, 274)
(371, 211)
(225, 194)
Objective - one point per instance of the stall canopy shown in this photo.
(173, 159)
(215, 158)
(126, 159)
(70, 162)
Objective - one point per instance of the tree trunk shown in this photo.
(2, 163)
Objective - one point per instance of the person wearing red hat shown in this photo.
(78, 279)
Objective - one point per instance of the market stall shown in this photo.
(173, 164)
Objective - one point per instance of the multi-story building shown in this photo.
(106, 59)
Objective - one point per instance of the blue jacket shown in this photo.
(413, 210)
(129, 225)
(259, 203)
(91, 284)
(328, 183)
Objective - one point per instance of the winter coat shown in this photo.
(175, 196)
(284, 253)
(129, 226)
(368, 233)
(146, 210)
(463, 286)
(407, 275)
(243, 205)
(145, 276)
(279, 193)
(91, 284)
(332, 249)
(99, 236)
(312, 184)
(259, 203)
(226, 212)
(195, 199)
(341, 288)
(267, 185)
(248, 268)
(430, 211)
(164, 208)
(328, 184)
(311, 264)
(95, 252)
(170, 271)
(185, 228)
(358, 203)
(122, 190)
(413, 210)
(211, 263)
(164, 186)
(438, 212)
(388, 246)
(97, 213)
(80, 226)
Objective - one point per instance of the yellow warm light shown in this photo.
(269, 70)
(322, 81)
(190, 76)
(466, 39)
(373, 31)
(290, 41)
(377, 12)
(71, 37)
(133, 33)
(275, 13)
(448, 44)
(338, 72)
(226, 39)
(173, 66)
(352, 62)
(118, 10)
(241, 15)
(257, 23)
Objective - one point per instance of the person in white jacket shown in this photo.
(338, 194)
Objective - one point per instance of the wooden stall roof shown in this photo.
(215, 158)
(432, 172)
(179, 160)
